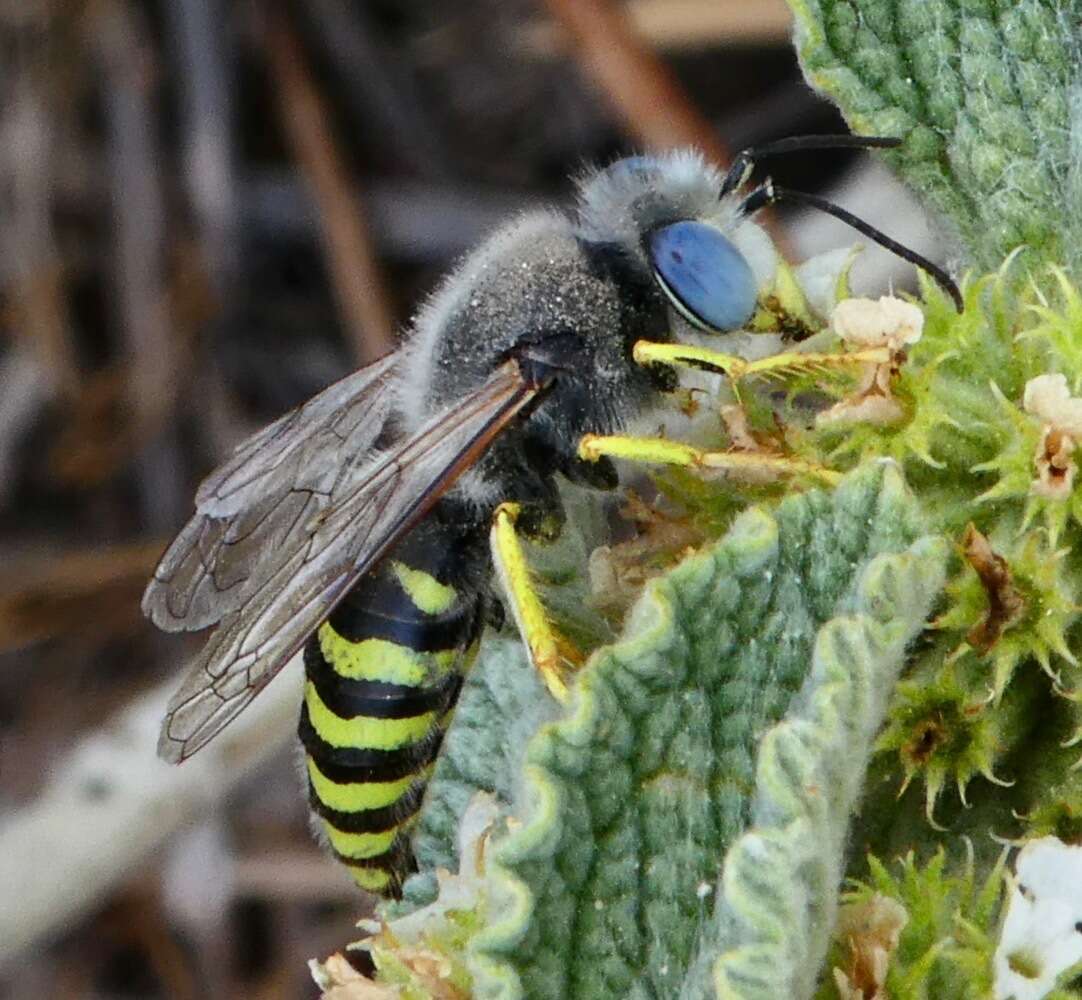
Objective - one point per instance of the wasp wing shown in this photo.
(369, 511)
(276, 481)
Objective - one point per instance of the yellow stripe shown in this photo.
(374, 734)
(380, 660)
(360, 845)
(426, 592)
(356, 797)
(371, 879)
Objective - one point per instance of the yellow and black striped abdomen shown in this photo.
(383, 675)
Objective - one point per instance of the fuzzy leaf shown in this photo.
(772, 924)
(984, 93)
(502, 705)
(624, 808)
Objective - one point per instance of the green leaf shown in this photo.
(772, 926)
(983, 92)
(606, 884)
(502, 705)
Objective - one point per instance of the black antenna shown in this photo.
(745, 160)
(768, 194)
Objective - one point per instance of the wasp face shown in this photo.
(667, 212)
(652, 253)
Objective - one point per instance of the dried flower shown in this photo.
(1005, 602)
(1048, 398)
(870, 930)
(886, 322)
(338, 980)
(863, 323)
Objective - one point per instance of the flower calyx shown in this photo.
(870, 931)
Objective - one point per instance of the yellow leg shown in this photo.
(548, 650)
(659, 451)
(646, 352)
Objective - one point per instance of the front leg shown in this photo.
(736, 368)
(748, 465)
(550, 653)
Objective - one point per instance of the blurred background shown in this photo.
(209, 210)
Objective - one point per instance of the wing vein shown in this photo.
(286, 595)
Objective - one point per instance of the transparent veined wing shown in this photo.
(277, 480)
(370, 508)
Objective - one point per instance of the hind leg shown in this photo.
(552, 654)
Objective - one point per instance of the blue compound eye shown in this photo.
(705, 277)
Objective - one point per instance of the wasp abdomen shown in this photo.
(383, 676)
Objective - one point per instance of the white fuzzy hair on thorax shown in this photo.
(415, 372)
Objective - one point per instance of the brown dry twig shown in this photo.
(639, 87)
(682, 25)
(379, 85)
(42, 595)
(637, 84)
(355, 276)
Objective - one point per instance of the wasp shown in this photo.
(366, 526)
